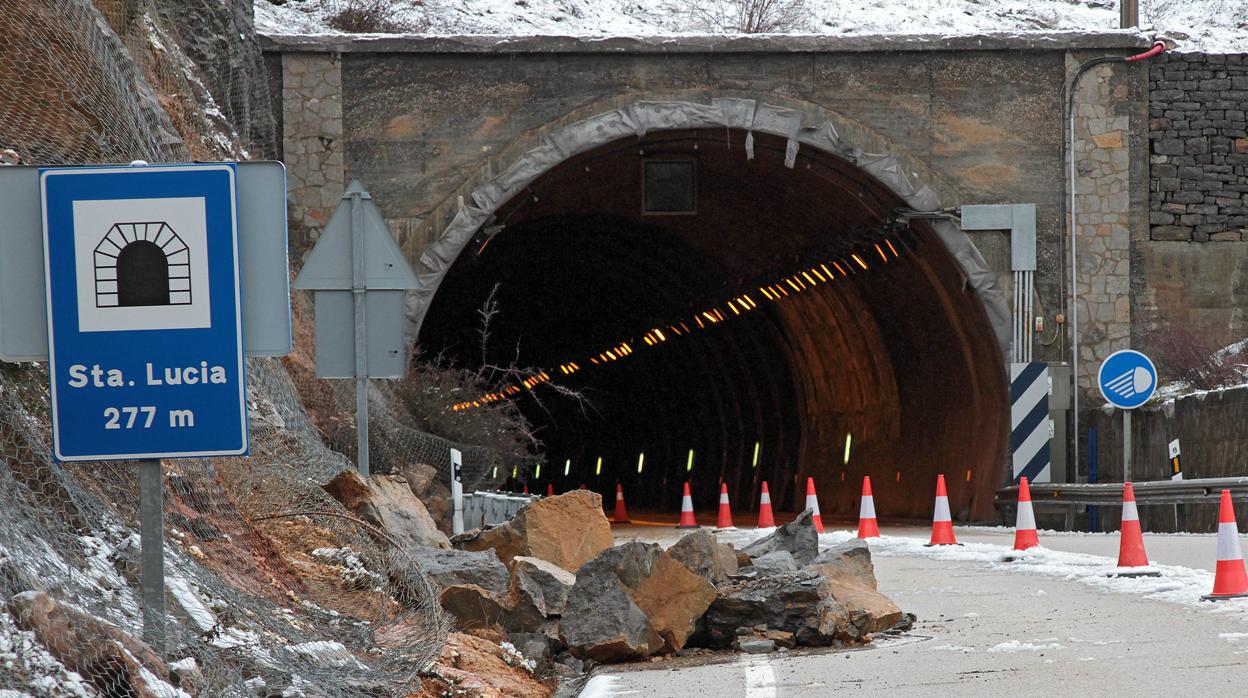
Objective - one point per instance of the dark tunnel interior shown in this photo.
(860, 336)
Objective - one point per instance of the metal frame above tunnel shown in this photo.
(964, 269)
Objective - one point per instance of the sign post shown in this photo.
(1127, 379)
(144, 320)
(356, 272)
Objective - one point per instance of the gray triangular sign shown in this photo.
(329, 266)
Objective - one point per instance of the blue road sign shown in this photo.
(144, 319)
(1127, 379)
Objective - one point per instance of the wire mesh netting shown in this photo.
(273, 588)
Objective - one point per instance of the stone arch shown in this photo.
(624, 117)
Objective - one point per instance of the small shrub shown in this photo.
(1184, 354)
(745, 16)
(367, 17)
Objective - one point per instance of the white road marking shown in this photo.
(604, 686)
(760, 681)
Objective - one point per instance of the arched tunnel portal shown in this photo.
(860, 333)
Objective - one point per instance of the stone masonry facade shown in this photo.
(1199, 133)
(312, 138)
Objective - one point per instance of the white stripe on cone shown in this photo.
(1228, 542)
(1129, 512)
(812, 503)
(686, 503)
(723, 497)
(868, 508)
(764, 498)
(1026, 517)
(942, 510)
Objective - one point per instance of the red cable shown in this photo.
(1158, 47)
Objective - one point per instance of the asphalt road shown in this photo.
(986, 630)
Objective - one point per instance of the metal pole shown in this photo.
(1128, 14)
(361, 336)
(457, 491)
(152, 552)
(1126, 445)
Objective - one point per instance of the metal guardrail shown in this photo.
(492, 508)
(1204, 490)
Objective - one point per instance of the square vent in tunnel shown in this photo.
(670, 186)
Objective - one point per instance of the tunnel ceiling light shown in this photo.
(537, 472)
(774, 292)
(515, 472)
(598, 469)
(567, 467)
(689, 463)
(849, 440)
(641, 461)
(757, 446)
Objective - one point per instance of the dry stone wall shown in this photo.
(1198, 108)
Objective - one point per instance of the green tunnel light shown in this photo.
(641, 461)
(757, 446)
(515, 472)
(598, 470)
(495, 475)
(849, 441)
(689, 464)
(537, 473)
(567, 467)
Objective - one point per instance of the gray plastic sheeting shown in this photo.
(745, 114)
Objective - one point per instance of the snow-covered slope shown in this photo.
(1219, 26)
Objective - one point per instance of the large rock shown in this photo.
(542, 585)
(473, 607)
(798, 537)
(705, 557)
(818, 604)
(103, 654)
(452, 567)
(568, 530)
(420, 477)
(850, 561)
(774, 562)
(387, 502)
(632, 601)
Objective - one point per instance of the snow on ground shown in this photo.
(1216, 26)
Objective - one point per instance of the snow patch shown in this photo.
(1016, 646)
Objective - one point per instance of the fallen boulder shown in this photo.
(103, 654)
(798, 537)
(457, 567)
(540, 584)
(473, 607)
(701, 554)
(630, 602)
(850, 561)
(817, 609)
(568, 530)
(387, 502)
(774, 562)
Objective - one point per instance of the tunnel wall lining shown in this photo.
(746, 114)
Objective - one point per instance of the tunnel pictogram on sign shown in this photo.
(142, 264)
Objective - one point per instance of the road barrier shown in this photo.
(1205, 490)
(492, 508)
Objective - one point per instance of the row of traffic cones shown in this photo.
(1230, 580)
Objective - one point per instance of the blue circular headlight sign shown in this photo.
(1127, 379)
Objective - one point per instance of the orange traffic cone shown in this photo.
(725, 511)
(526, 490)
(868, 527)
(942, 521)
(1230, 580)
(812, 503)
(686, 511)
(1130, 538)
(1025, 536)
(765, 517)
(621, 514)
(550, 490)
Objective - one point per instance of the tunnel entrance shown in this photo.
(735, 320)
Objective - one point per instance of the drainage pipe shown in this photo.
(1157, 49)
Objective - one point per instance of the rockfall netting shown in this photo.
(272, 587)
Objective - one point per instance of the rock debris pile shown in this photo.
(552, 582)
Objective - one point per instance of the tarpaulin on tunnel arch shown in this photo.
(749, 115)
